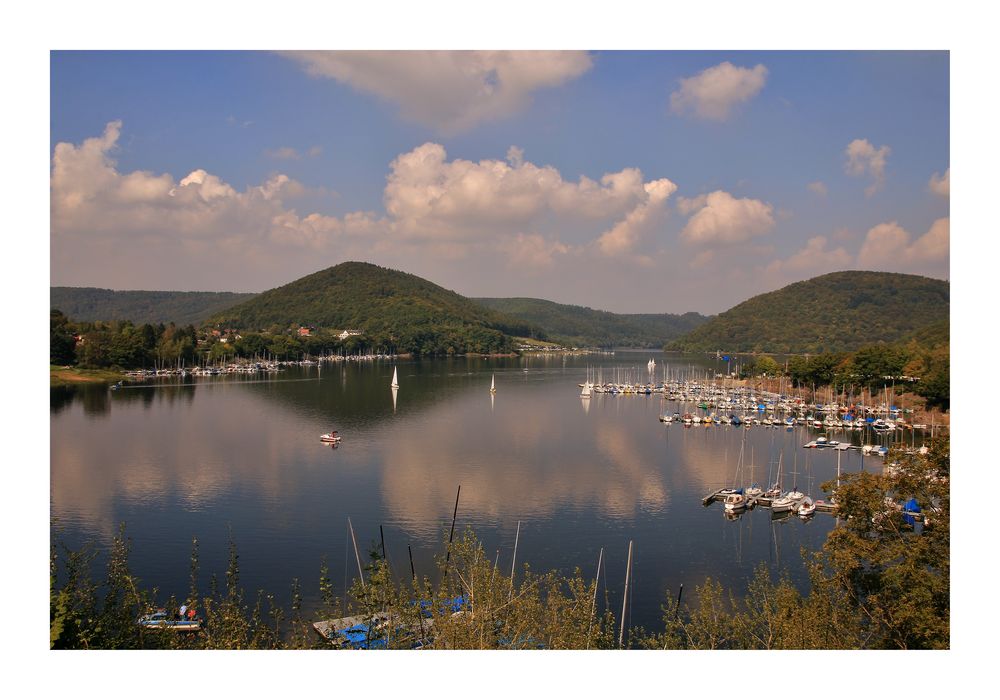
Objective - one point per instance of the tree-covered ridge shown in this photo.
(837, 312)
(582, 326)
(182, 308)
(394, 309)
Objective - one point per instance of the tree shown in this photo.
(896, 575)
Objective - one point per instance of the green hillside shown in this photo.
(93, 304)
(840, 311)
(581, 326)
(393, 308)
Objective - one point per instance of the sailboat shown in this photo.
(493, 384)
(395, 379)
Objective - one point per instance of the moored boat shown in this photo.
(160, 620)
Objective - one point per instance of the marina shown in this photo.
(580, 473)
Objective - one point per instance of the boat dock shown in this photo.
(765, 502)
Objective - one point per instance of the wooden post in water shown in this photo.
(628, 572)
(413, 572)
(677, 609)
(356, 555)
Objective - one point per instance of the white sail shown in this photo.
(493, 384)
(395, 379)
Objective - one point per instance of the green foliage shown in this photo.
(838, 312)
(895, 575)
(877, 583)
(396, 311)
(61, 342)
(580, 326)
(93, 304)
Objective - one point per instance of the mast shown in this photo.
(628, 572)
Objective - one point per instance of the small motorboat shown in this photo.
(735, 501)
(330, 437)
(160, 620)
(806, 507)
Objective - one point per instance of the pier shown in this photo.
(765, 502)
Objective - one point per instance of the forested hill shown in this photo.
(391, 307)
(840, 311)
(183, 308)
(581, 326)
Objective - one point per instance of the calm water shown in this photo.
(209, 456)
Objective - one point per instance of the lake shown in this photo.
(210, 456)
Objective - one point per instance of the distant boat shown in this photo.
(395, 379)
(493, 384)
(330, 437)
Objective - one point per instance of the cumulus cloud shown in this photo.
(888, 246)
(941, 184)
(863, 158)
(429, 197)
(624, 235)
(96, 210)
(448, 90)
(817, 187)
(202, 226)
(721, 218)
(531, 250)
(811, 260)
(713, 93)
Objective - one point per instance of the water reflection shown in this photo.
(202, 457)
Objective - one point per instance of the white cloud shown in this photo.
(817, 187)
(200, 226)
(531, 250)
(888, 246)
(624, 235)
(815, 258)
(863, 158)
(429, 197)
(713, 93)
(449, 90)
(941, 184)
(198, 221)
(722, 218)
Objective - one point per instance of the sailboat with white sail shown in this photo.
(395, 379)
(493, 384)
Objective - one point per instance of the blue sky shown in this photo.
(733, 139)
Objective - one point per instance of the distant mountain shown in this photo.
(840, 311)
(581, 326)
(391, 307)
(93, 304)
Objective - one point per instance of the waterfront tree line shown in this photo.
(922, 369)
(124, 345)
(878, 582)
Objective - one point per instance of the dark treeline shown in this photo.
(119, 344)
(879, 582)
(923, 369)
(125, 345)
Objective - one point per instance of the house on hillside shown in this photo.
(347, 333)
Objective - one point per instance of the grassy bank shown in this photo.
(68, 376)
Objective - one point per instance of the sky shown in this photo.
(658, 181)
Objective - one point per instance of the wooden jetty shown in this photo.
(765, 502)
